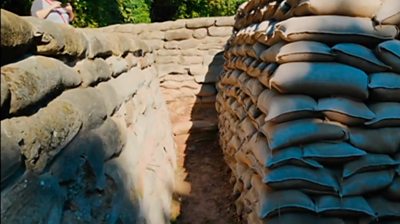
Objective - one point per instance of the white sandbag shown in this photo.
(382, 140)
(280, 202)
(368, 162)
(301, 132)
(389, 13)
(332, 152)
(360, 57)
(345, 110)
(267, 73)
(320, 79)
(299, 51)
(289, 156)
(334, 29)
(336, 206)
(363, 183)
(389, 52)
(364, 8)
(306, 179)
(385, 86)
(387, 115)
(281, 108)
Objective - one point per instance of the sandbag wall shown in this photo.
(81, 141)
(189, 59)
(309, 111)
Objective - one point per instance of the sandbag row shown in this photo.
(309, 114)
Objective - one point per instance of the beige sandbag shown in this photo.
(387, 115)
(253, 113)
(259, 147)
(284, 10)
(256, 50)
(260, 121)
(300, 132)
(247, 127)
(359, 56)
(253, 88)
(363, 183)
(255, 71)
(269, 11)
(299, 51)
(364, 8)
(267, 73)
(297, 177)
(339, 207)
(345, 110)
(320, 79)
(389, 13)
(281, 108)
(368, 162)
(389, 52)
(381, 140)
(334, 29)
(281, 202)
(385, 86)
(332, 152)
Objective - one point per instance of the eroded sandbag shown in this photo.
(320, 79)
(381, 140)
(389, 52)
(335, 206)
(287, 134)
(362, 183)
(93, 71)
(387, 114)
(360, 57)
(389, 13)
(368, 162)
(332, 152)
(366, 8)
(385, 86)
(345, 110)
(335, 29)
(36, 77)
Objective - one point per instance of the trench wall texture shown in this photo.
(81, 111)
(309, 111)
(189, 60)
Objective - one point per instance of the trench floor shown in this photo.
(210, 200)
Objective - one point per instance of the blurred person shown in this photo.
(52, 10)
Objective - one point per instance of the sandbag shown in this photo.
(335, 206)
(282, 108)
(267, 73)
(259, 147)
(306, 179)
(362, 183)
(385, 86)
(387, 115)
(345, 110)
(393, 191)
(359, 56)
(381, 140)
(289, 156)
(253, 88)
(389, 52)
(320, 79)
(297, 218)
(255, 71)
(385, 208)
(368, 162)
(283, 202)
(389, 13)
(256, 50)
(365, 8)
(287, 134)
(332, 152)
(299, 51)
(335, 29)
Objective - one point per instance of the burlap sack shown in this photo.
(359, 56)
(267, 73)
(366, 8)
(381, 140)
(287, 134)
(385, 86)
(256, 68)
(320, 79)
(332, 152)
(345, 110)
(387, 115)
(299, 51)
(368, 162)
(335, 29)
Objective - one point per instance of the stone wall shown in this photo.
(309, 105)
(81, 111)
(189, 60)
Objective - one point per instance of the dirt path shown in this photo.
(210, 201)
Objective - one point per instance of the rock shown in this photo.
(35, 78)
(17, 36)
(180, 34)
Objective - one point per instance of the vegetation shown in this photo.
(97, 13)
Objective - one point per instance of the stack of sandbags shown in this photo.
(309, 111)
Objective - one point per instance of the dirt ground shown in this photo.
(210, 200)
